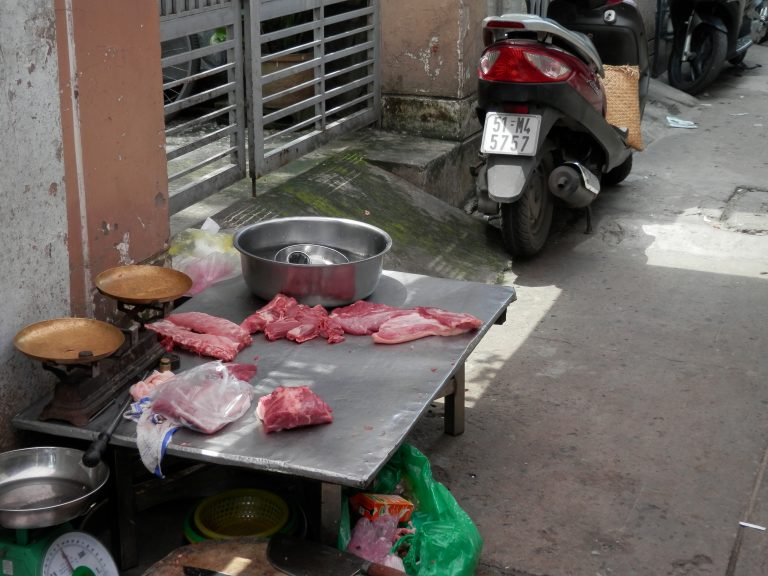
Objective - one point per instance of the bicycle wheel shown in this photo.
(179, 71)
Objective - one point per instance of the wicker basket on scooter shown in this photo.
(622, 92)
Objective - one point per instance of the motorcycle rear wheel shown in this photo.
(525, 223)
(618, 174)
(710, 47)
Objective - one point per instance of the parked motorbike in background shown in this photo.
(706, 35)
(757, 12)
(543, 108)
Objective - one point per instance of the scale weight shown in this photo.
(58, 551)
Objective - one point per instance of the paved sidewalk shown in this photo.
(617, 421)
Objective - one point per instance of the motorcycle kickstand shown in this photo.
(588, 229)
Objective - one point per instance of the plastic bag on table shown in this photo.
(206, 255)
(205, 398)
(446, 541)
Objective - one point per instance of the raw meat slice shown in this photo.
(273, 310)
(219, 347)
(419, 324)
(364, 317)
(459, 320)
(312, 322)
(146, 387)
(204, 398)
(332, 330)
(242, 372)
(207, 324)
(292, 407)
(301, 323)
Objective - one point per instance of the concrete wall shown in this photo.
(34, 258)
(84, 184)
(429, 54)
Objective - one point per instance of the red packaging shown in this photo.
(372, 506)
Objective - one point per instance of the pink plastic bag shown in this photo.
(373, 540)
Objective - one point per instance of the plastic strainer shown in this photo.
(241, 512)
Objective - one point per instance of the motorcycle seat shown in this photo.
(576, 42)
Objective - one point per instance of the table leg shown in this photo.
(322, 504)
(454, 405)
(330, 513)
(124, 542)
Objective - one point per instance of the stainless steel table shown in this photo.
(377, 392)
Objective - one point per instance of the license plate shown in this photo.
(515, 134)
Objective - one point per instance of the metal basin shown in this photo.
(326, 261)
(45, 486)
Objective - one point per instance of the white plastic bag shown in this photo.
(206, 255)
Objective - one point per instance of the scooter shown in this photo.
(543, 109)
(757, 12)
(706, 35)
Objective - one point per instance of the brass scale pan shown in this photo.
(84, 340)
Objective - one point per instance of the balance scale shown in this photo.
(57, 551)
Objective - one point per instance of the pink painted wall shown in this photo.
(431, 47)
(113, 132)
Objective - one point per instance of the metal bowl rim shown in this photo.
(93, 489)
(371, 227)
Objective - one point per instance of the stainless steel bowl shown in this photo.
(272, 264)
(45, 486)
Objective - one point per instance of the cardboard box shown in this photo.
(372, 506)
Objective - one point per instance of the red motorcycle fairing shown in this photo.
(518, 61)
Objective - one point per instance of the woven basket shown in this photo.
(621, 90)
(242, 512)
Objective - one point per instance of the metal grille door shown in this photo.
(203, 85)
(313, 73)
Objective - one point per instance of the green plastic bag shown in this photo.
(447, 542)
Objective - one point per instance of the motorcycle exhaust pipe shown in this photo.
(574, 184)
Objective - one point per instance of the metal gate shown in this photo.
(314, 73)
(202, 55)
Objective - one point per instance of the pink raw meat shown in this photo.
(457, 320)
(147, 386)
(219, 347)
(332, 330)
(422, 322)
(292, 407)
(301, 323)
(273, 310)
(207, 324)
(242, 372)
(364, 317)
(284, 317)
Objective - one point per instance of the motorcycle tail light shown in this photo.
(550, 67)
(516, 108)
(487, 60)
(522, 62)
